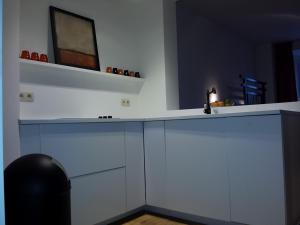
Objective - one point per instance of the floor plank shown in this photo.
(152, 220)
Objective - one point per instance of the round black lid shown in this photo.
(36, 174)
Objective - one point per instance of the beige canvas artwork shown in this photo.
(75, 40)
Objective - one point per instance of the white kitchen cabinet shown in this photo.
(155, 163)
(104, 160)
(230, 169)
(224, 170)
(196, 168)
(85, 148)
(256, 169)
(135, 167)
(98, 197)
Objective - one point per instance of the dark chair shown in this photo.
(254, 91)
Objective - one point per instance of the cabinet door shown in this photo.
(135, 169)
(256, 170)
(155, 160)
(85, 148)
(197, 175)
(30, 139)
(98, 197)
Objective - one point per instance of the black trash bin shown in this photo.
(37, 192)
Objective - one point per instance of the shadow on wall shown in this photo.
(214, 48)
(209, 55)
(236, 93)
(297, 70)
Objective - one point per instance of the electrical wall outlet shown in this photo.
(125, 102)
(26, 97)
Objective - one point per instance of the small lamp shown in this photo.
(207, 108)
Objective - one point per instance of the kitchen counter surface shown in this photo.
(175, 116)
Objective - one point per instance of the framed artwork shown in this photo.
(74, 40)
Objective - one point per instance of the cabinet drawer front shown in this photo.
(98, 197)
(85, 148)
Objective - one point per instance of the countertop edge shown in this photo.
(149, 119)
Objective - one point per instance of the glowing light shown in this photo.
(213, 98)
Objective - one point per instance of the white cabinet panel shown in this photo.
(135, 170)
(85, 148)
(155, 162)
(197, 175)
(256, 170)
(30, 139)
(98, 197)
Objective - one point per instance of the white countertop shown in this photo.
(152, 118)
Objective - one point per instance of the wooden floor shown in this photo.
(152, 220)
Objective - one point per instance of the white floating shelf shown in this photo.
(58, 75)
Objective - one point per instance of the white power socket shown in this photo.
(125, 102)
(26, 97)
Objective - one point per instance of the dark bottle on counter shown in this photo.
(137, 75)
(115, 70)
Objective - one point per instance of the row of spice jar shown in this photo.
(25, 54)
(122, 72)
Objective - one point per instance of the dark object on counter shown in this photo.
(126, 73)
(44, 58)
(25, 54)
(229, 102)
(37, 191)
(137, 75)
(35, 56)
(131, 74)
(115, 70)
(207, 108)
(109, 69)
(105, 117)
(120, 72)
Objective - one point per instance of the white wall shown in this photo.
(116, 35)
(62, 102)
(171, 56)
(116, 44)
(130, 34)
(151, 47)
(11, 80)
